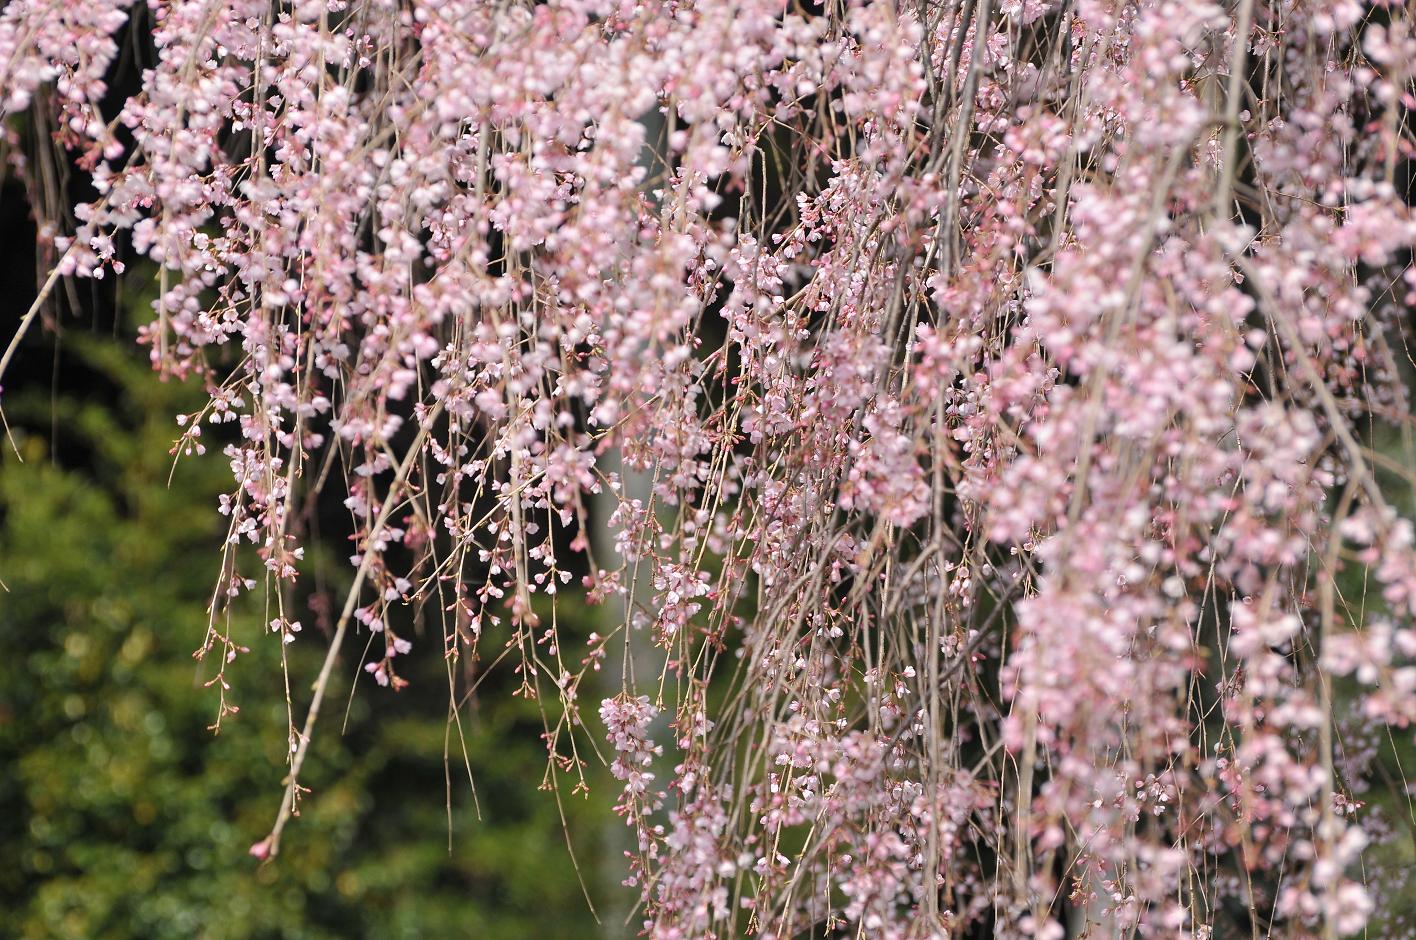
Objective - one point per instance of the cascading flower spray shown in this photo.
(1006, 377)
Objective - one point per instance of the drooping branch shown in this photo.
(987, 373)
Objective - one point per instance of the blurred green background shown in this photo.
(122, 815)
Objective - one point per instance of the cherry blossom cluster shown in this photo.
(975, 417)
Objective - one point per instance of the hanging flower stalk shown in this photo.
(1008, 376)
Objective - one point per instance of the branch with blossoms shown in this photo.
(1009, 377)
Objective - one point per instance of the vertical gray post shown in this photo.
(617, 838)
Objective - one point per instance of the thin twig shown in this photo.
(270, 846)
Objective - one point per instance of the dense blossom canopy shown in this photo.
(980, 396)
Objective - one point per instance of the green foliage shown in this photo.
(122, 815)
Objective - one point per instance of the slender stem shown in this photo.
(271, 844)
(29, 317)
(1238, 63)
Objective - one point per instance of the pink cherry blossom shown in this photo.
(985, 405)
